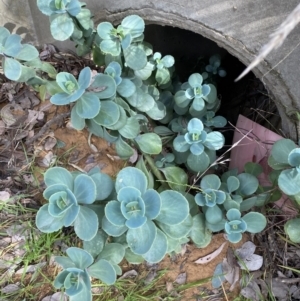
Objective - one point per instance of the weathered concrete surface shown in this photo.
(241, 27)
(24, 18)
(16, 16)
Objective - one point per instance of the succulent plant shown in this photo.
(161, 64)
(196, 139)
(285, 156)
(69, 197)
(113, 40)
(79, 266)
(86, 92)
(240, 190)
(201, 95)
(252, 222)
(210, 120)
(51, 7)
(138, 211)
(67, 19)
(14, 55)
(210, 195)
(114, 70)
(292, 229)
(214, 66)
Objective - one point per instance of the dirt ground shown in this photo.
(36, 134)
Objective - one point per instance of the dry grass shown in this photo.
(277, 38)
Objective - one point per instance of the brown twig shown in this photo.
(46, 126)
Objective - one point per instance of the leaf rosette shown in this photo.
(214, 66)
(114, 38)
(210, 195)
(240, 190)
(162, 65)
(200, 95)
(86, 92)
(196, 139)
(69, 196)
(139, 211)
(252, 222)
(78, 267)
(67, 18)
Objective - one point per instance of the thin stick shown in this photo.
(224, 291)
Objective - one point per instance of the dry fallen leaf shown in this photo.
(6, 261)
(248, 260)
(33, 98)
(48, 51)
(12, 113)
(47, 160)
(56, 297)
(93, 148)
(2, 127)
(90, 166)
(17, 233)
(150, 277)
(31, 268)
(113, 158)
(251, 291)
(11, 288)
(7, 274)
(28, 178)
(280, 289)
(63, 247)
(169, 286)
(21, 134)
(97, 290)
(181, 278)
(251, 263)
(4, 242)
(4, 196)
(50, 143)
(91, 145)
(183, 249)
(247, 249)
(134, 157)
(27, 201)
(228, 271)
(295, 292)
(25, 103)
(231, 269)
(129, 274)
(211, 256)
(171, 290)
(69, 126)
(77, 167)
(33, 117)
(235, 279)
